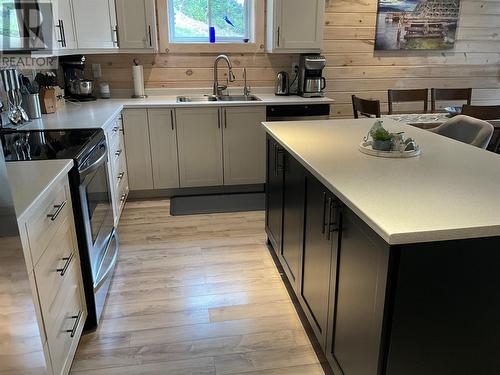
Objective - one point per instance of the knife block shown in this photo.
(48, 100)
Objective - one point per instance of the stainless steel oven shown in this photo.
(101, 241)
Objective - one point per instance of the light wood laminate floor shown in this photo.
(195, 295)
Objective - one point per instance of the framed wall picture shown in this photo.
(416, 24)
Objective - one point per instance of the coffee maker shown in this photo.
(311, 80)
(75, 85)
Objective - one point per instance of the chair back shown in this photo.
(414, 95)
(482, 112)
(365, 107)
(467, 130)
(451, 95)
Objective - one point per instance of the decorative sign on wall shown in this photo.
(416, 24)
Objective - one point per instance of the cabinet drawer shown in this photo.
(52, 269)
(64, 329)
(46, 220)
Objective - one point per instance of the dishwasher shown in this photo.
(301, 112)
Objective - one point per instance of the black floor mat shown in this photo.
(218, 203)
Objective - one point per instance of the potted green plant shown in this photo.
(382, 139)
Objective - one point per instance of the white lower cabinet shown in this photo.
(199, 135)
(163, 138)
(56, 274)
(138, 149)
(244, 145)
(169, 148)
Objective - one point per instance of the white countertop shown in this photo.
(30, 180)
(100, 113)
(449, 192)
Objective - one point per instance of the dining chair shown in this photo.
(365, 107)
(451, 95)
(414, 95)
(482, 112)
(486, 112)
(466, 129)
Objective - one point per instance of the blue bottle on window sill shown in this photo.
(211, 31)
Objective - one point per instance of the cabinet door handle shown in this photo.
(63, 33)
(329, 218)
(323, 225)
(60, 26)
(218, 118)
(117, 40)
(278, 36)
(225, 118)
(334, 225)
(75, 326)
(150, 38)
(62, 271)
(172, 118)
(59, 208)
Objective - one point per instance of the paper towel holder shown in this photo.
(141, 84)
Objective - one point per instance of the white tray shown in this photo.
(366, 148)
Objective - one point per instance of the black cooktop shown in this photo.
(49, 144)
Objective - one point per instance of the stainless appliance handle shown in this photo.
(110, 268)
(323, 83)
(95, 164)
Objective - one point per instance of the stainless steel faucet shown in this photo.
(231, 78)
(246, 88)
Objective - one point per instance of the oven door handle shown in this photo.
(111, 266)
(95, 164)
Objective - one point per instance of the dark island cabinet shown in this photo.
(357, 297)
(274, 194)
(376, 309)
(322, 225)
(294, 175)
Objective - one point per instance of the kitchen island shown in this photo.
(393, 261)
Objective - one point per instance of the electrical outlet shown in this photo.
(295, 68)
(96, 71)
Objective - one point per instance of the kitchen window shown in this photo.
(185, 25)
(190, 20)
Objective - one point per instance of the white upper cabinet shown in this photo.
(95, 23)
(295, 26)
(64, 26)
(137, 24)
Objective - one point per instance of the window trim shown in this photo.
(256, 29)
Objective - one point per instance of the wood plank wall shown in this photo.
(353, 65)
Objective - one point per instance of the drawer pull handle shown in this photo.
(120, 176)
(118, 153)
(75, 326)
(59, 208)
(62, 271)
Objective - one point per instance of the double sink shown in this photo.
(212, 98)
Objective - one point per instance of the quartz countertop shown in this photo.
(449, 192)
(30, 180)
(100, 113)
